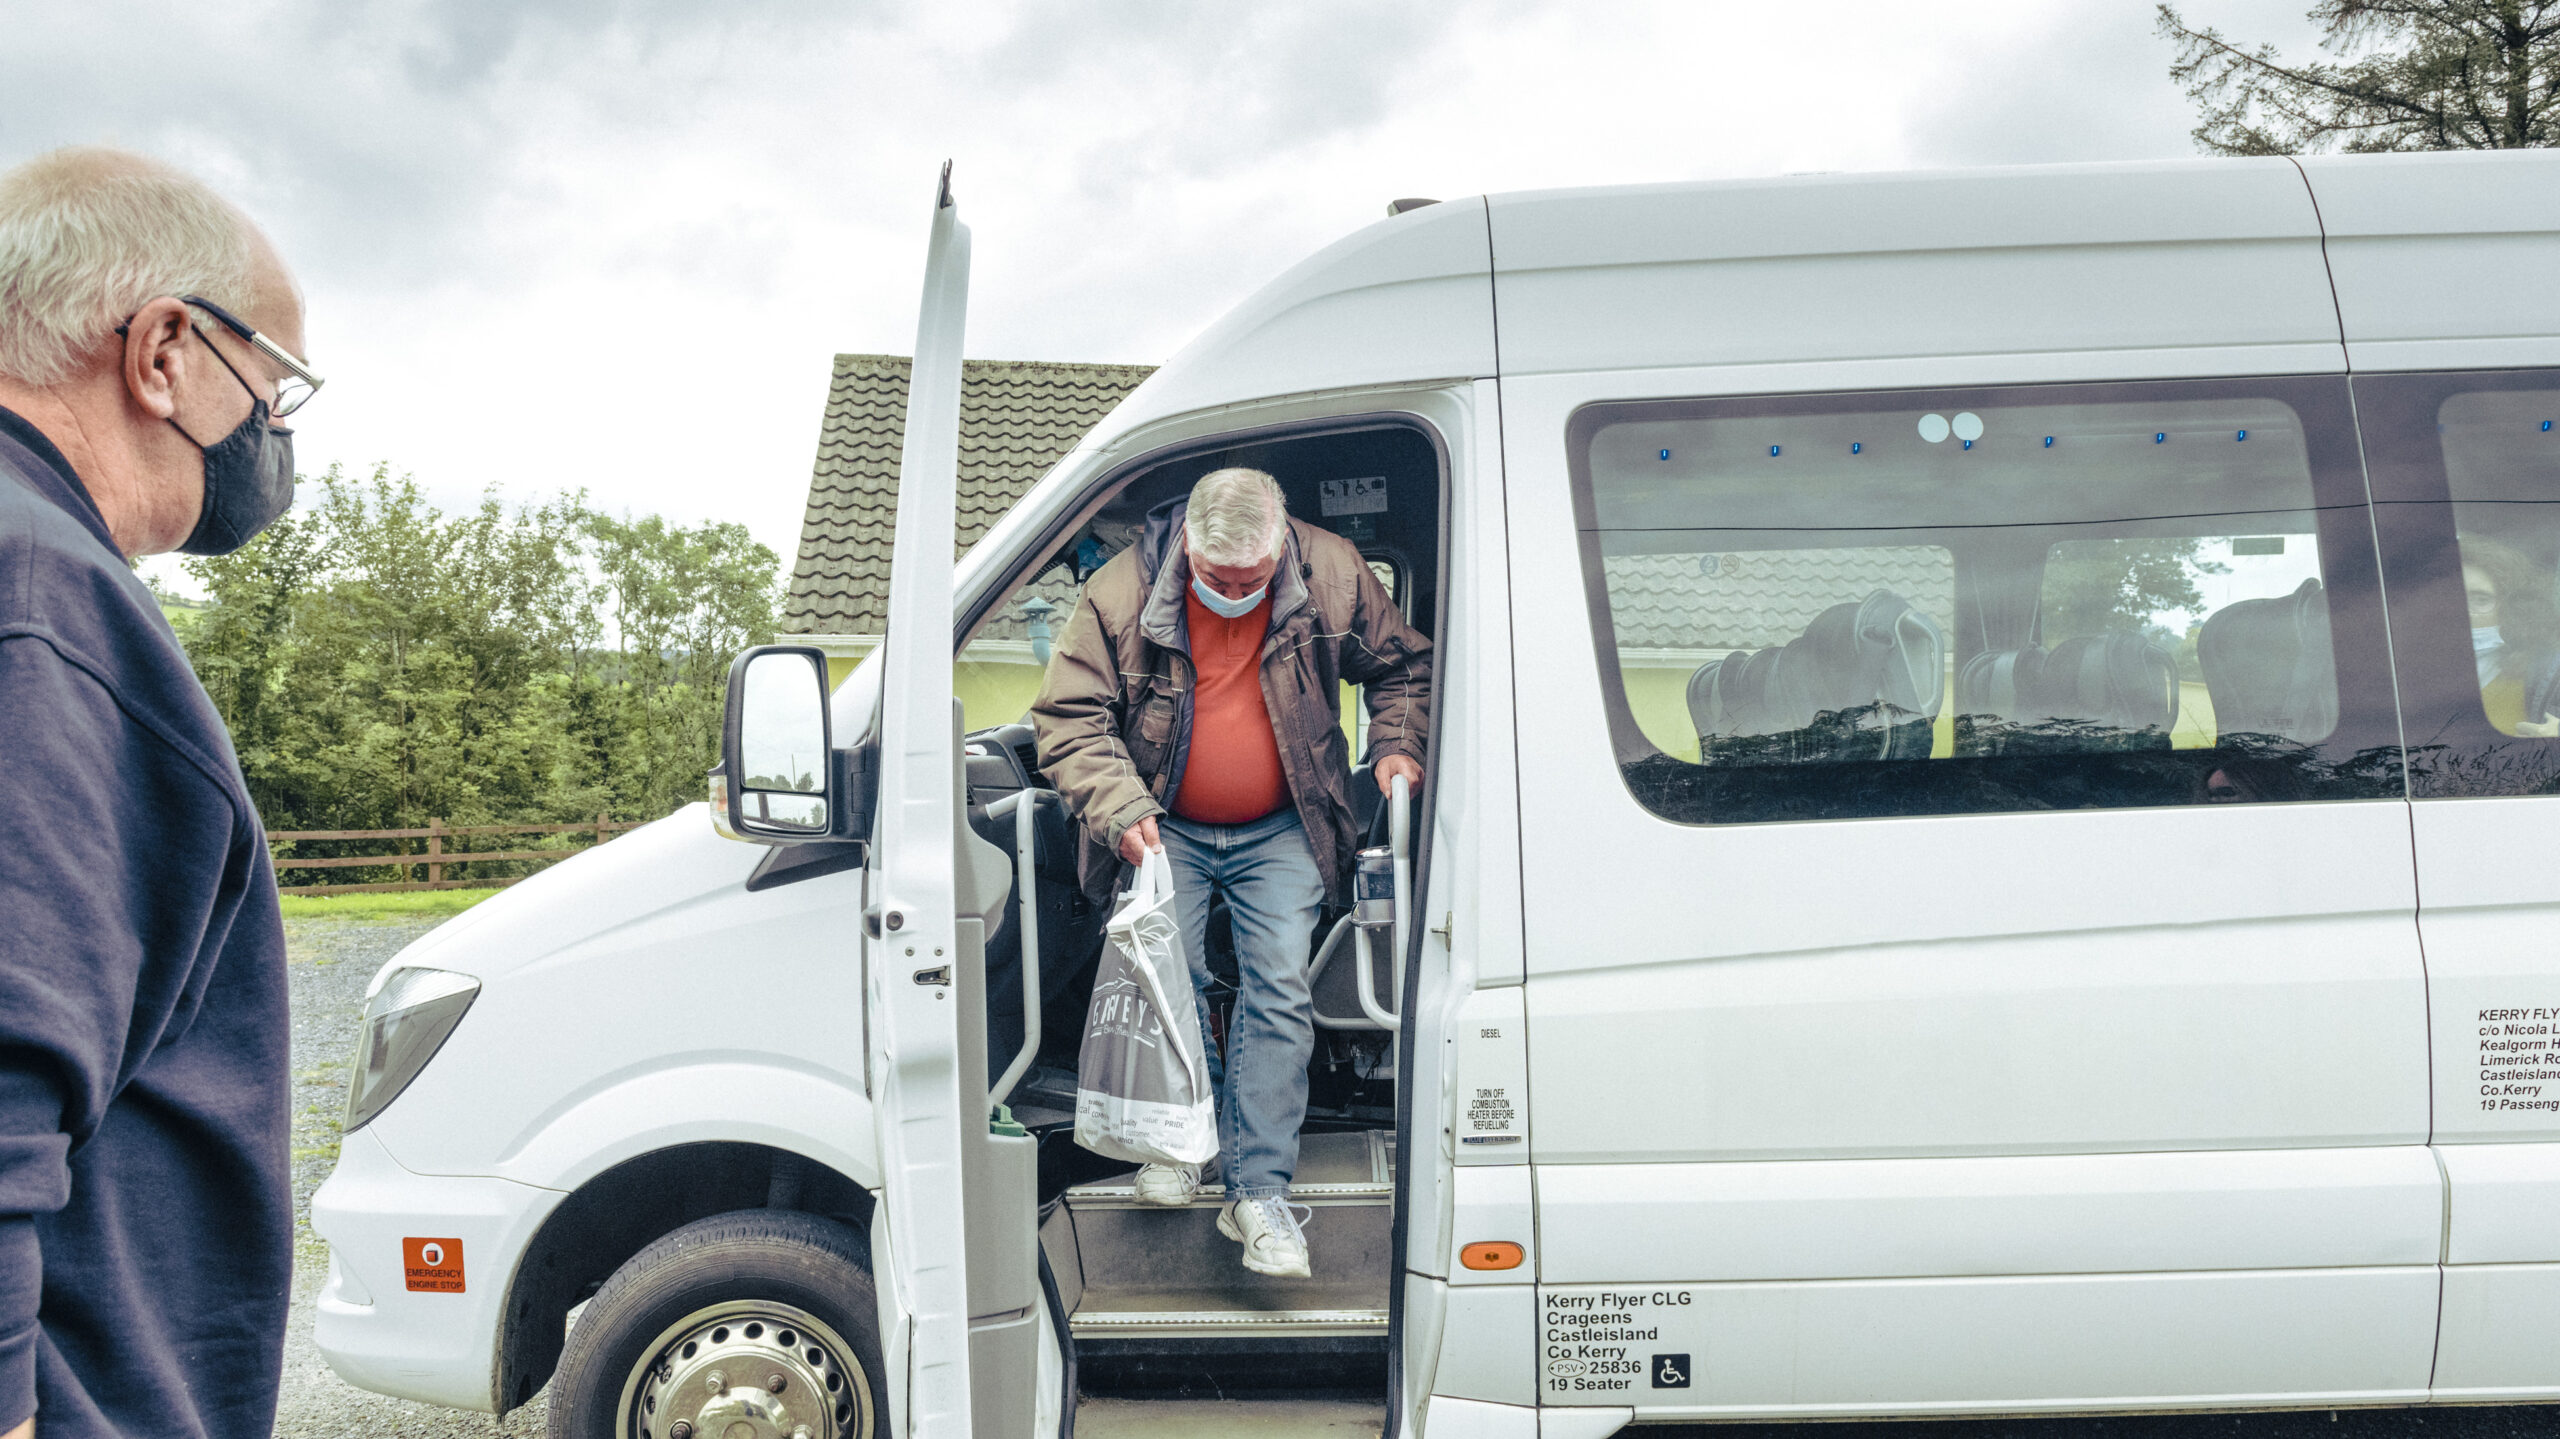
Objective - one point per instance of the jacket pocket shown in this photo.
(1150, 734)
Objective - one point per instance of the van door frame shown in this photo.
(1098, 492)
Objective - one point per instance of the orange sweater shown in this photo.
(1233, 773)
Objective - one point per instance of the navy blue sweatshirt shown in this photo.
(146, 1223)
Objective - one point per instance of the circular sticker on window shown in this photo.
(1933, 428)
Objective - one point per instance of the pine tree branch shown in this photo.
(2441, 74)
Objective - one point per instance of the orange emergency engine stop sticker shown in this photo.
(433, 1265)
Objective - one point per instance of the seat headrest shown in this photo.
(2269, 667)
(1878, 658)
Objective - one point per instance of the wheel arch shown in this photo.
(623, 1209)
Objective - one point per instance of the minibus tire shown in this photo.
(771, 1270)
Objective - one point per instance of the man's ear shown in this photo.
(155, 356)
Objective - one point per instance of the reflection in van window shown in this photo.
(1865, 609)
(2502, 464)
(1725, 650)
(2515, 635)
(2154, 597)
(998, 672)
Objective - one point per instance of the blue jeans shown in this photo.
(1267, 871)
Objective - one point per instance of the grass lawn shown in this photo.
(421, 904)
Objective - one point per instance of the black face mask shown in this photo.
(248, 478)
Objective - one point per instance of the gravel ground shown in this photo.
(330, 961)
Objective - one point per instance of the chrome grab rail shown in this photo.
(1399, 843)
(1332, 946)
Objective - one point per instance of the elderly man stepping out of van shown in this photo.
(1193, 705)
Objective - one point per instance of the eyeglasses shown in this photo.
(299, 384)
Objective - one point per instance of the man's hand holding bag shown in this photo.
(1142, 1083)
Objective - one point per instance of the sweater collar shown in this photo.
(51, 475)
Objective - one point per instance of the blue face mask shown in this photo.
(2485, 644)
(1218, 604)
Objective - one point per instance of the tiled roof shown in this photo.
(1760, 598)
(1017, 418)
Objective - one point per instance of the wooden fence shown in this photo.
(435, 857)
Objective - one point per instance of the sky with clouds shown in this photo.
(561, 244)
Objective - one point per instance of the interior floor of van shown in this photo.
(1158, 1301)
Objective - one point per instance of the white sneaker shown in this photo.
(1270, 1233)
(1171, 1185)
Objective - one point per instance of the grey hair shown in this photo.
(89, 235)
(1236, 517)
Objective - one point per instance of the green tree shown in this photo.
(683, 602)
(2096, 587)
(2407, 75)
(381, 663)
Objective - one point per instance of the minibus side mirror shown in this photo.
(781, 779)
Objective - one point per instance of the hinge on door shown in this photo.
(1448, 922)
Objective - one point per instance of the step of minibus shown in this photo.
(1142, 1271)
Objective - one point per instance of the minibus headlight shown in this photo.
(405, 1022)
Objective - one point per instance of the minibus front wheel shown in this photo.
(764, 1317)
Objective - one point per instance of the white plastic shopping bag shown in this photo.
(1142, 1084)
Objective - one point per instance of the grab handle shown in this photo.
(1025, 804)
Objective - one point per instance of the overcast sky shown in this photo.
(554, 244)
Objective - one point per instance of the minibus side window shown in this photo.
(2031, 599)
(2466, 473)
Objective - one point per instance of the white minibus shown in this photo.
(1962, 868)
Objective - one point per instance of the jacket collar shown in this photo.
(1165, 567)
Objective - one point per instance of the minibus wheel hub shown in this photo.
(748, 1369)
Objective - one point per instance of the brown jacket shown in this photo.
(1114, 712)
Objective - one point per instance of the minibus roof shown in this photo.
(2009, 275)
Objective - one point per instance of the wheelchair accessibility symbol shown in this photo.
(1670, 1371)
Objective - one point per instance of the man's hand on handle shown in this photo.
(1386, 770)
(1135, 841)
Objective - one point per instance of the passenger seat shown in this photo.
(2269, 668)
(1864, 681)
(2104, 693)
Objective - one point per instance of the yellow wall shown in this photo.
(994, 691)
(2195, 727)
(1658, 697)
